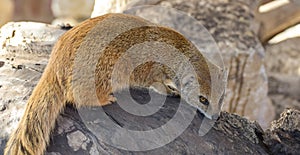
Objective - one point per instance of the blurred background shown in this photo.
(279, 18)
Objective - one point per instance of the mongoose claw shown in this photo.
(112, 99)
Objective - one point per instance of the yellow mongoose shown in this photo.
(55, 88)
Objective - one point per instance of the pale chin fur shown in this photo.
(205, 114)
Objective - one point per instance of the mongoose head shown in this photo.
(196, 92)
(196, 89)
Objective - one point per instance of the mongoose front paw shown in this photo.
(107, 100)
(111, 99)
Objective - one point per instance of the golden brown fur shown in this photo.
(55, 89)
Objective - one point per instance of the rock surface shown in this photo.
(24, 53)
(284, 135)
(283, 57)
(283, 66)
(102, 7)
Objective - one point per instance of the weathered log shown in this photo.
(282, 65)
(284, 135)
(231, 134)
(277, 20)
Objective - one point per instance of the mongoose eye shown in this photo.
(203, 100)
(171, 88)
